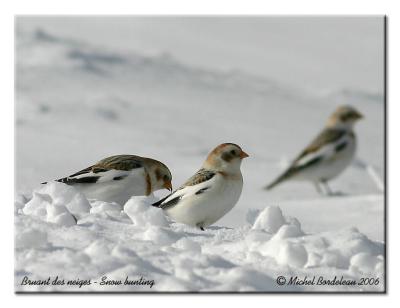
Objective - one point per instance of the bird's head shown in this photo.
(160, 176)
(226, 157)
(344, 117)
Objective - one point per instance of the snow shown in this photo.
(108, 243)
(271, 219)
(83, 97)
(143, 214)
(57, 203)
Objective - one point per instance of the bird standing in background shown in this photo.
(211, 192)
(328, 154)
(117, 178)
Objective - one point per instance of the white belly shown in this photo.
(206, 208)
(116, 191)
(331, 166)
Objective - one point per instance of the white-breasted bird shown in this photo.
(211, 192)
(117, 178)
(328, 154)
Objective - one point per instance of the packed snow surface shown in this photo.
(98, 247)
(79, 100)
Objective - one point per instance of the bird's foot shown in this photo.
(337, 194)
(324, 189)
(200, 226)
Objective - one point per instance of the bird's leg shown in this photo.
(327, 188)
(318, 188)
(200, 226)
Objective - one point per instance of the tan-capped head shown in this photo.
(160, 176)
(344, 117)
(226, 157)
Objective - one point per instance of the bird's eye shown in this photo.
(233, 152)
(166, 178)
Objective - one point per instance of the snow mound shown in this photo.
(281, 238)
(57, 203)
(270, 219)
(99, 207)
(143, 214)
(366, 263)
(292, 254)
(110, 244)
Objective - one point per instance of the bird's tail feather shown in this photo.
(158, 203)
(284, 176)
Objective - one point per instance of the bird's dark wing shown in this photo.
(309, 156)
(201, 176)
(102, 169)
(120, 162)
(325, 137)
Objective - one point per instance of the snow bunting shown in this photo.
(328, 154)
(117, 178)
(211, 192)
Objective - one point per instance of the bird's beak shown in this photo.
(243, 154)
(168, 185)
